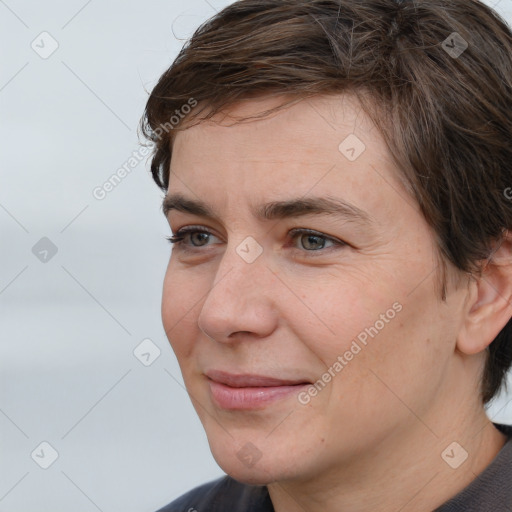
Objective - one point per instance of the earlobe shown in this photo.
(489, 301)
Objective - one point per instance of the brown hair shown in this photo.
(444, 110)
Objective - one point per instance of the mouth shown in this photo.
(248, 391)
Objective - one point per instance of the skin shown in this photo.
(372, 439)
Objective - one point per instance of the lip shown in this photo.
(249, 391)
(250, 380)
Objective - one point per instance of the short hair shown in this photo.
(435, 76)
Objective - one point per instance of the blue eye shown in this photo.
(192, 238)
(311, 240)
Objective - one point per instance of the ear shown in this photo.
(488, 306)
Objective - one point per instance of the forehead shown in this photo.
(308, 130)
(307, 123)
(322, 145)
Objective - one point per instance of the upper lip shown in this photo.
(250, 380)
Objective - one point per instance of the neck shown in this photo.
(407, 472)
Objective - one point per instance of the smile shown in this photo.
(245, 392)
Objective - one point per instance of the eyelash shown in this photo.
(178, 239)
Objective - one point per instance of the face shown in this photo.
(301, 302)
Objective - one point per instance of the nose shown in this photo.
(241, 301)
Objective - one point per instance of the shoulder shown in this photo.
(221, 495)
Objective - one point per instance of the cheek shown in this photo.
(377, 331)
(401, 364)
(342, 308)
(181, 302)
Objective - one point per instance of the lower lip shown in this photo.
(227, 397)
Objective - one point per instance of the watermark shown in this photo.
(45, 45)
(304, 397)
(146, 352)
(44, 250)
(249, 250)
(117, 177)
(454, 455)
(508, 193)
(249, 454)
(44, 455)
(352, 147)
(100, 192)
(455, 45)
(175, 120)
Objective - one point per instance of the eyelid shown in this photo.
(193, 229)
(180, 234)
(305, 231)
(178, 238)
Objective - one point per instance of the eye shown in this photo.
(313, 241)
(198, 237)
(193, 237)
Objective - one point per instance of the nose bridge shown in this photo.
(242, 265)
(239, 300)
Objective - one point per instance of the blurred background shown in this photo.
(93, 413)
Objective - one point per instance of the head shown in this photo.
(400, 111)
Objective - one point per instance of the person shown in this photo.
(338, 186)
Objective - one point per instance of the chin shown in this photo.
(256, 471)
(256, 475)
(251, 477)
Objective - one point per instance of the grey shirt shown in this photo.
(491, 491)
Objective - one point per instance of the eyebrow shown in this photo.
(275, 210)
